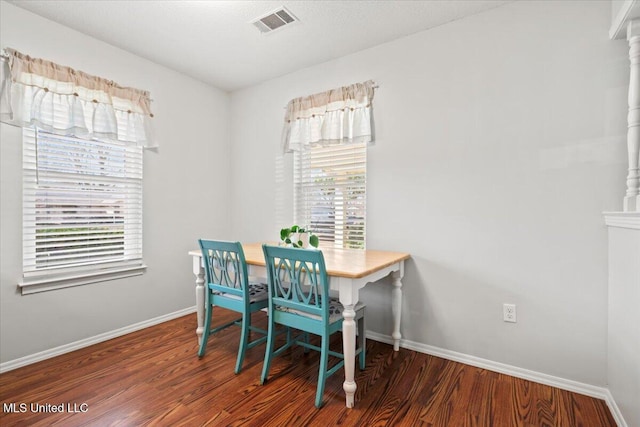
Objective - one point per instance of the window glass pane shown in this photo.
(330, 193)
(82, 202)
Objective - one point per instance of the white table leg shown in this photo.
(396, 307)
(198, 271)
(349, 348)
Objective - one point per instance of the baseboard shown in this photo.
(57, 351)
(538, 377)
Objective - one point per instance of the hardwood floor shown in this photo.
(154, 377)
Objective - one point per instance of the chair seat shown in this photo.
(257, 292)
(335, 310)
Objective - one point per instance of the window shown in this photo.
(82, 210)
(83, 138)
(329, 132)
(330, 193)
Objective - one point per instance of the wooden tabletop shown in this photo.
(350, 263)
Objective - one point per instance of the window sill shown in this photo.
(50, 283)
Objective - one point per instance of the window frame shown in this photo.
(126, 264)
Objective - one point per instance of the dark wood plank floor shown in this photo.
(154, 377)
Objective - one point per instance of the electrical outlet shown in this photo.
(509, 313)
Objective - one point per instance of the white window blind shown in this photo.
(330, 193)
(82, 205)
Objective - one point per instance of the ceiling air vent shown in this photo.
(277, 19)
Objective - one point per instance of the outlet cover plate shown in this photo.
(509, 313)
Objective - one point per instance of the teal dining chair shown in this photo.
(228, 286)
(299, 299)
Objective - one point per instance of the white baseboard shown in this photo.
(538, 377)
(57, 351)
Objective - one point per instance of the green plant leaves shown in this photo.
(285, 236)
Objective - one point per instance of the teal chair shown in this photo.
(227, 285)
(299, 298)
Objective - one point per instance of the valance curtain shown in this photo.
(337, 116)
(64, 101)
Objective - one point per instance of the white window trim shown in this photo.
(51, 282)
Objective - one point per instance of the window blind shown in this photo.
(82, 204)
(330, 193)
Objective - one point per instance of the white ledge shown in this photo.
(50, 283)
(622, 219)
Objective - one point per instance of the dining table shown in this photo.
(349, 270)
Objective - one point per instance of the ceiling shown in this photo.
(215, 42)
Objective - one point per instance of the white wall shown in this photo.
(192, 122)
(500, 140)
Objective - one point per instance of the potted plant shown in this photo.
(298, 237)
